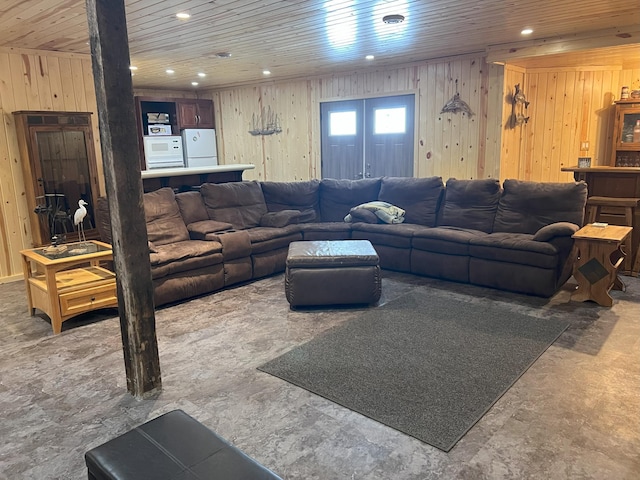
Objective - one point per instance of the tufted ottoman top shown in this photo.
(331, 253)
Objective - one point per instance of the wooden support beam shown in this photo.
(114, 93)
(610, 37)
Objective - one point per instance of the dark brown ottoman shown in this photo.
(332, 272)
(173, 446)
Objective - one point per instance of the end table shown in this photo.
(68, 280)
(599, 258)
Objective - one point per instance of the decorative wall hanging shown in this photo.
(456, 104)
(266, 123)
(518, 104)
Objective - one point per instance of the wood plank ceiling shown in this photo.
(293, 38)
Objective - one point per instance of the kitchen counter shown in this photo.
(183, 179)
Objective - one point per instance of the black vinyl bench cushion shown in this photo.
(174, 446)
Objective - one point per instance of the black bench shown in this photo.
(173, 446)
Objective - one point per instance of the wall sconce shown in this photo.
(518, 104)
(265, 123)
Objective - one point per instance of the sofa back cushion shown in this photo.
(470, 204)
(419, 197)
(239, 203)
(191, 207)
(303, 196)
(103, 220)
(525, 207)
(337, 197)
(164, 222)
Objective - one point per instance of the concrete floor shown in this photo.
(573, 415)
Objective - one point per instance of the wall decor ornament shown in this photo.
(265, 123)
(519, 104)
(456, 104)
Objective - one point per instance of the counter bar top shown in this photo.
(177, 172)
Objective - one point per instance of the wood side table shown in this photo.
(599, 258)
(68, 280)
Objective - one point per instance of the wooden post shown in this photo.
(114, 93)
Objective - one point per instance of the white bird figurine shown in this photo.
(78, 219)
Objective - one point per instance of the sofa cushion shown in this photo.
(191, 207)
(103, 220)
(164, 222)
(200, 230)
(281, 218)
(239, 203)
(418, 197)
(559, 229)
(303, 196)
(337, 197)
(470, 204)
(397, 235)
(265, 239)
(516, 249)
(525, 207)
(448, 240)
(184, 256)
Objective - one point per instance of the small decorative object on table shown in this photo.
(584, 162)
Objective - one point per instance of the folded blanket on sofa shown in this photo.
(384, 211)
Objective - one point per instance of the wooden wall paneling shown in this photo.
(55, 83)
(601, 140)
(491, 121)
(77, 79)
(511, 158)
(15, 232)
(562, 153)
(68, 91)
(313, 140)
(545, 159)
(43, 82)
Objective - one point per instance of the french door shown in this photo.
(371, 137)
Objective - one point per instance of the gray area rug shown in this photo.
(427, 366)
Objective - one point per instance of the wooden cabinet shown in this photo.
(195, 113)
(59, 168)
(626, 148)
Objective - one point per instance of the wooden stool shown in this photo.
(628, 205)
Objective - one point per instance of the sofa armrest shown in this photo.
(558, 229)
(280, 219)
(199, 230)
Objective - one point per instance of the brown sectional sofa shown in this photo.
(514, 237)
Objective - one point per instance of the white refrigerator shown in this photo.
(199, 146)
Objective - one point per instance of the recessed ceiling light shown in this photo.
(132, 67)
(169, 71)
(266, 72)
(527, 31)
(393, 19)
(195, 84)
(202, 75)
(369, 57)
(183, 15)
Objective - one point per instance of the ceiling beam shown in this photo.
(610, 37)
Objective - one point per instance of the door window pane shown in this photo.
(342, 123)
(390, 120)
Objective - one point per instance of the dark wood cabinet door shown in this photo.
(194, 113)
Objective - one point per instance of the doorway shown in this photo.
(366, 138)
